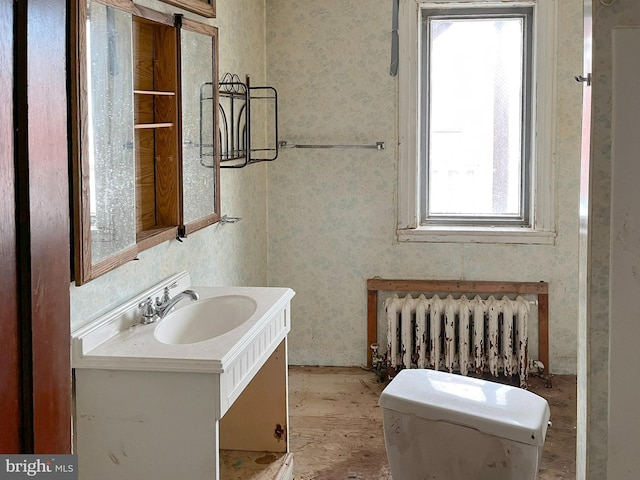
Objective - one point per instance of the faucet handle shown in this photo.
(165, 295)
(149, 311)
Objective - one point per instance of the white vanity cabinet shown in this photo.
(147, 410)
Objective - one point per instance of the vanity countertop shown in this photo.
(115, 341)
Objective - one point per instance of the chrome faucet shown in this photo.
(149, 312)
(162, 307)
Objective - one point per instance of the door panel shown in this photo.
(10, 441)
(49, 225)
(35, 372)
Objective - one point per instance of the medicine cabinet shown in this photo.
(135, 100)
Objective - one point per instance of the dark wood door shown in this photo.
(35, 372)
(10, 416)
(45, 284)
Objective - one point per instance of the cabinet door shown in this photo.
(103, 141)
(200, 142)
(109, 152)
(125, 127)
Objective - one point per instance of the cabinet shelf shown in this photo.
(139, 126)
(154, 92)
(155, 87)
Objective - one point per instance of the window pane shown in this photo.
(474, 129)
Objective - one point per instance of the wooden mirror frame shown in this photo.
(84, 267)
(210, 31)
(206, 8)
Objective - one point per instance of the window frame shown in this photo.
(540, 228)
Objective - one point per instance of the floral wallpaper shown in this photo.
(332, 213)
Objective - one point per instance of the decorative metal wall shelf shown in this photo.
(207, 151)
(240, 107)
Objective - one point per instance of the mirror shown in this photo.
(200, 162)
(109, 133)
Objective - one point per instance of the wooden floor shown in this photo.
(336, 425)
(242, 465)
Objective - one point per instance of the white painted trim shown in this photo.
(408, 121)
(543, 149)
(466, 3)
(545, 68)
(497, 235)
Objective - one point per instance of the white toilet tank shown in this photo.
(442, 426)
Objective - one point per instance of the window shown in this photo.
(475, 102)
(476, 122)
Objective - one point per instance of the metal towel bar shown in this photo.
(377, 146)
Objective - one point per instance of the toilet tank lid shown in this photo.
(501, 410)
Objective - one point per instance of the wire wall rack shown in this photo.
(241, 107)
(206, 149)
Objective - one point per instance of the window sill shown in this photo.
(498, 235)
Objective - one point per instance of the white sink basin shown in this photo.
(205, 319)
(227, 328)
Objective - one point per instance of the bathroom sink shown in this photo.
(205, 319)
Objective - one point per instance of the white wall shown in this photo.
(332, 213)
(232, 254)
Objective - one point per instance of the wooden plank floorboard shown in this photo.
(336, 425)
(241, 465)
